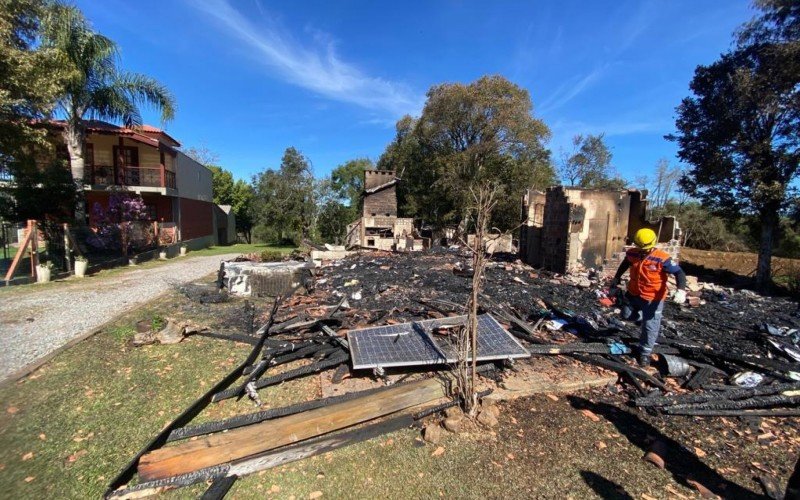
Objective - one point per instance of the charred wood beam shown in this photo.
(620, 368)
(280, 456)
(335, 359)
(219, 488)
(234, 337)
(698, 379)
(775, 412)
(705, 397)
(755, 402)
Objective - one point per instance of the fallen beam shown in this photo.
(240, 443)
(620, 368)
(219, 488)
(335, 359)
(776, 412)
(739, 404)
(705, 397)
(273, 458)
(261, 416)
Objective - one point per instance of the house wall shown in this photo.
(196, 219)
(193, 180)
(149, 156)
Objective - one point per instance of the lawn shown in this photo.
(243, 248)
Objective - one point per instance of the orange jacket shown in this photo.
(649, 273)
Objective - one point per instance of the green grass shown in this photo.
(242, 248)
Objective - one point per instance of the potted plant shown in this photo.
(184, 249)
(162, 253)
(81, 265)
(43, 272)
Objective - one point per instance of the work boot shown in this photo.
(644, 360)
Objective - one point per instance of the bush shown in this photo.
(271, 256)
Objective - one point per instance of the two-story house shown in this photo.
(147, 161)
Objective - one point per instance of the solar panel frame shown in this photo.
(414, 344)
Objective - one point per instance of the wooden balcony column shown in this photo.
(163, 169)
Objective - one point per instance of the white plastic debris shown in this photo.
(747, 379)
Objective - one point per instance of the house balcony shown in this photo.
(140, 179)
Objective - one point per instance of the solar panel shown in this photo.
(410, 344)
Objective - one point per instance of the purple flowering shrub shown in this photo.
(114, 227)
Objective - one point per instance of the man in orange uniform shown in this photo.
(647, 288)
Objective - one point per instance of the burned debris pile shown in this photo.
(733, 353)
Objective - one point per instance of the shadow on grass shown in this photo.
(604, 488)
(680, 462)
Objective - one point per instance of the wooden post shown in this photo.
(34, 230)
(67, 250)
(19, 254)
(163, 168)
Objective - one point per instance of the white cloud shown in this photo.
(569, 90)
(317, 68)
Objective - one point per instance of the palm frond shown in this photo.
(143, 90)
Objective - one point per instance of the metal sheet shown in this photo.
(412, 344)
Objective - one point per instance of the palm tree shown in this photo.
(96, 88)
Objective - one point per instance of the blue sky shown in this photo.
(253, 77)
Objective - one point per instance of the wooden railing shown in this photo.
(102, 175)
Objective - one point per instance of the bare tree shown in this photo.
(664, 185)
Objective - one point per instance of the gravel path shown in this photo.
(34, 323)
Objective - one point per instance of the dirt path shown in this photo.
(35, 321)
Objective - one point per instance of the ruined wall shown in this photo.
(382, 203)
(598, 225)
(554, 246)
(375, 178)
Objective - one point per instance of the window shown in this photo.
(127, 156)
(371, 242)
(88, 155)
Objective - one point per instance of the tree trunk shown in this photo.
(769, 221)
(74, 137)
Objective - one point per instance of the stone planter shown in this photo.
(183, 251)
(162, 255)
(80, 268)
(42, 274)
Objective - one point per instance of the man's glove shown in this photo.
(679, 297)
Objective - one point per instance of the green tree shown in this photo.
(221, 185)
(588, 165)
(96, 87)
(467, 137)
(347, 181)
(284, 199)
(242, 205)
(31, 76)
(740, 128)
